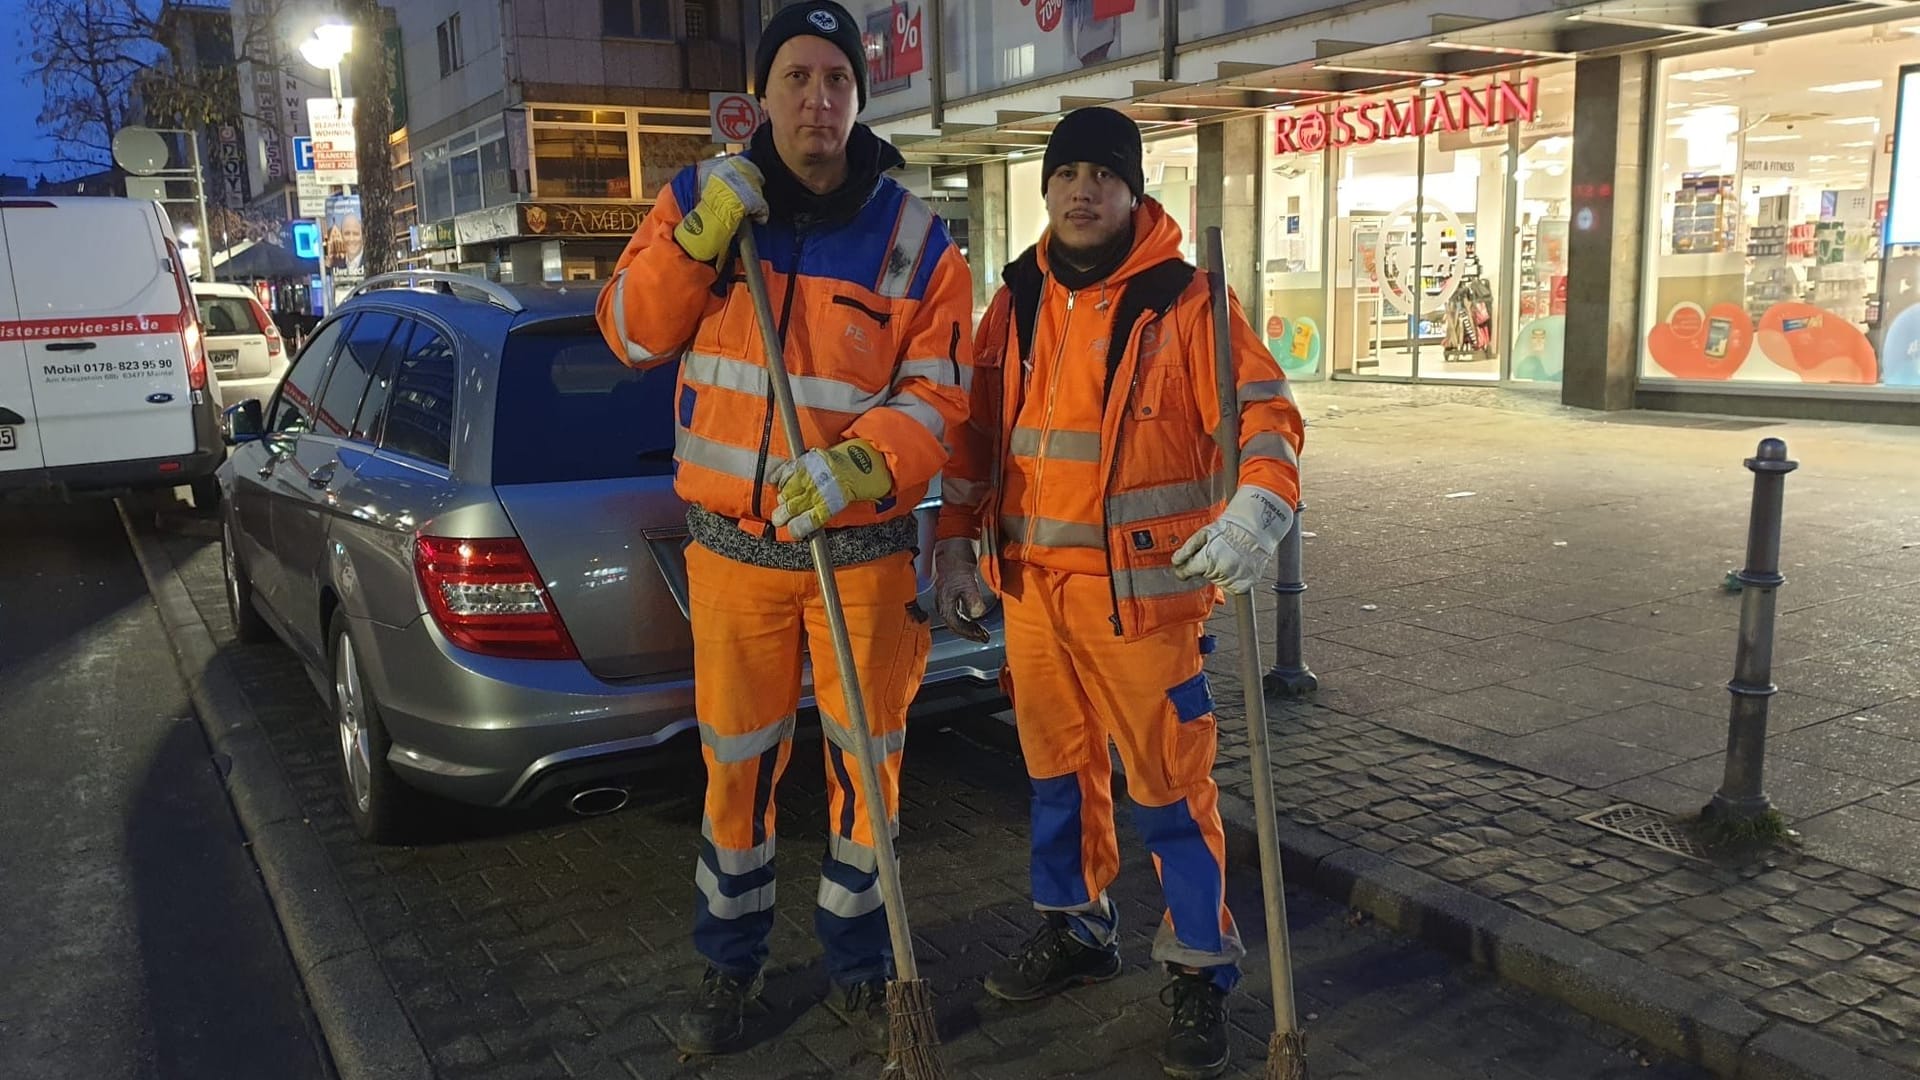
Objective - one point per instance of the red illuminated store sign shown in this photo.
(1460, 109)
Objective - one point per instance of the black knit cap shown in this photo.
(817, 18)
(1100, 136)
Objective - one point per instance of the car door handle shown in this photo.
(321, 477)
(70, 346)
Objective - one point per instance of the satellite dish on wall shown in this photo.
(139, 150)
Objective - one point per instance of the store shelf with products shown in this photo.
(1702, 217)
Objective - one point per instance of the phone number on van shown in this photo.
(105, 370)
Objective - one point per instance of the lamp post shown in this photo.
(326, 48)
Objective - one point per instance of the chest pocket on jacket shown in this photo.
(855, 340)
(1162, 390)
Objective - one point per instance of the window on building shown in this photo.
(696, 16)
(639, 18)
(452, 58)
(436, 185)
(616, 17)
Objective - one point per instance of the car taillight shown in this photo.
(264, 323)
(195, 349)
(488, 598)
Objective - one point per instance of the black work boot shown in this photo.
(1197, 1036)
(863, 1007)
(1051, 961)
(716, 1021)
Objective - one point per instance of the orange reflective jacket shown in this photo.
(872, 313)
(1083, 456)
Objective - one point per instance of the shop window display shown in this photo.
(1765, 263)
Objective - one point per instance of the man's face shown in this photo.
(811, 101)
(353, 234)
(1088, 205)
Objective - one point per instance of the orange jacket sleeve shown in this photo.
(649, 311)
(967, 483)
(1271, 429)
(929, 401)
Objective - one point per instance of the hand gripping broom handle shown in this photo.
(1279, 952)
(906, 970)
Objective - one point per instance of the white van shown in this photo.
(103, 369)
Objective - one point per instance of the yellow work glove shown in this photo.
(732, 195)
(823, 482)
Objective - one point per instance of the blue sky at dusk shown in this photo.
(20, 140)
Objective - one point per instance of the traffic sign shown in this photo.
(302, 153)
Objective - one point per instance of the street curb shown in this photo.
(1708, 1028)
(360, 1015)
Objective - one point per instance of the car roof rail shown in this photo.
(491, 291)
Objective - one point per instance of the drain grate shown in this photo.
(1649, 827)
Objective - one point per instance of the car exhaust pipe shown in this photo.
(593, 802)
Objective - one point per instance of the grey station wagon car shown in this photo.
(458, 510)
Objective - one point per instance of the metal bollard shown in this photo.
(1289, 676)
(1741, 795)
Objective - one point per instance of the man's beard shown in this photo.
(1087, 257)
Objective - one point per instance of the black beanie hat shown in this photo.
(1101, 136)
(817, 18)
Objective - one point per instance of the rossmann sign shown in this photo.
(1464, 108)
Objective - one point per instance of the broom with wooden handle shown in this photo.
(913, 1036)
(1287, 1050)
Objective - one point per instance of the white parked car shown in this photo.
(243, 345)
(104, 382)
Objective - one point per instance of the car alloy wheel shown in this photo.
(355, 742)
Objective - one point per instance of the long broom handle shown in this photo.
(905, 968)
(1279, 950)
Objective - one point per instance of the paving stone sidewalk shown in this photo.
(552, 947)
(1516, 617)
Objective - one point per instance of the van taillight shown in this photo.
(487, 597)
(194, 346)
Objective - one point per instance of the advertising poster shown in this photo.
(345, 237)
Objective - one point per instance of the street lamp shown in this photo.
(329, 45)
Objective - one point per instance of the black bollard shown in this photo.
(1290, 676)
(1741, 795)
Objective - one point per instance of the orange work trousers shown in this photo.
(1077, 688)
(750, 624)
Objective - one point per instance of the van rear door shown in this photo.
(105, 321)
(19, 435)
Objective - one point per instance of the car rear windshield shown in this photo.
(227, 315)
(567, 409)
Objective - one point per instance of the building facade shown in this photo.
(1679, 205)
(540, 133)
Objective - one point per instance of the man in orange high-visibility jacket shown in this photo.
(1090, 478)
(873, 302)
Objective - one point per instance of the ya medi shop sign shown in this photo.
(1463, 108)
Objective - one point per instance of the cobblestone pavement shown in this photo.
(541, 947)
(1516, 619)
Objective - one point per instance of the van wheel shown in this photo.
(248, 624)
(381, 805)
(206, 494)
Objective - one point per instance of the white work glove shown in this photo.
(957, 592)
(1233, 550)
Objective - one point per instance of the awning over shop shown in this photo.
(250, 259)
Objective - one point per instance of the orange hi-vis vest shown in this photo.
(1089, 446)
(872, 313)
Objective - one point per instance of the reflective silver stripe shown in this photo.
(809, 391)
(1267, 390)
(955, 491)
(841, 736)
(732, 748)
(1053, 533)
(1061, 445)
(722, 906)
(1152, 583)
(735, 863)
(859, 856)
(837, 899)
(938, 372)
(921, 413)
(1270, 445)
(635, 354)
(1145, 504)
(693, 449)
(910, 234)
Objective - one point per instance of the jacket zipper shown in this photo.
(1113, 471)
(766, 429)
(1046, 421)
(881, 317)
